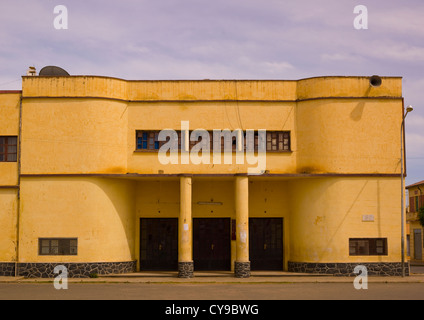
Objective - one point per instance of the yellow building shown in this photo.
(84, 182)
(416, 202)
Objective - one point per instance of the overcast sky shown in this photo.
(223, 39)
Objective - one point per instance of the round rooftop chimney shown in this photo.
(52, 71)
(376, 81)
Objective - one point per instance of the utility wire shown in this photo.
(3, 84)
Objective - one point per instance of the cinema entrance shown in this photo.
(212, 244)
(158, 244)
(266, 244)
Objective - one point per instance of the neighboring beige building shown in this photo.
(82, 183)
(416, 202)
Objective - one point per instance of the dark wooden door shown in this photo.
(159, 244)
(266, 243)
(212, 244)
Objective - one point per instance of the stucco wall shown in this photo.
(61, 136)
(9, 126)
(99, 212)
(325, 213)
(8, 224)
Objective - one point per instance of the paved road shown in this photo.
(137, 291)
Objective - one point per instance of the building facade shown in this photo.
(307, 181)
(416, 202)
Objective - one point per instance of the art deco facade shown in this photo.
(82, 184)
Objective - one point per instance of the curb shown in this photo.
(219, 280)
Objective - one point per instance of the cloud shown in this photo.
(276, 67)
(415, 145)
(413, 86)
(401, 20)
(249, 38)
(415, 122)
(340, 57)
(396, 51)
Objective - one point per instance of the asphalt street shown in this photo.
(253, 291)
(268, 287)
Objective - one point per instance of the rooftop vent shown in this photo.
(32, 72)
(52, 71)
(375, 81)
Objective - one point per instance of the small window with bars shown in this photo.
(368, 247)
(278, 141)
(58, 247)
(148, 141)
(8, 149)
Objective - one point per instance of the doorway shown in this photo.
(212, 244)
(266, 244)
(158, 244)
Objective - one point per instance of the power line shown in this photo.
(3, 84)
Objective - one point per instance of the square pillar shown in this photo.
(185, 230)
(242, 263)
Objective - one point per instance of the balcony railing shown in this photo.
(411, 216)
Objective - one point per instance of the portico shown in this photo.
(238, 221)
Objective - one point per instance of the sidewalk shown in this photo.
(221, 277)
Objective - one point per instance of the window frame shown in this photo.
(282, 141)
(6, 155)
(372, 247)
(281, 137)
(140, 140)
(60, 247)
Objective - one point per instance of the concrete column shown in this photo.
(242, 264)
(185, 228)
